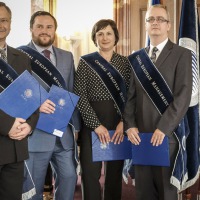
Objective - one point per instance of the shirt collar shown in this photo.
(40, 49)
(160, 46)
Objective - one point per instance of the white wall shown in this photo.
(80, 15)
(76, 19)
(21, 12)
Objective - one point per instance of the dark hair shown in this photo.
(42, 13)
(101, 24)
(2, 4)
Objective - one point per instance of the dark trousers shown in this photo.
(91, 173)
(11, 181)
(153, 182)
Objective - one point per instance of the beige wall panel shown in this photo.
(137, 30)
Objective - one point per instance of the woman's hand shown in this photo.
(103, 134)
(118, 136)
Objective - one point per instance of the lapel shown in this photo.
(31, 45)
(11, 55)
(164, 54)
(61, 62)
(57, 57)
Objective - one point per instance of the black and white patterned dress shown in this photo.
(93, 92)
(98, 108)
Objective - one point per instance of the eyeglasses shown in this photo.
(158, 20)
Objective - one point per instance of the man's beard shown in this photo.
(44, 43)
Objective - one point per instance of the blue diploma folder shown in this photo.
(111, 151)
(147, 154)
(57, 122)
(22, 97)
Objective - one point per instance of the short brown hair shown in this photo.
(101, 24)
(2, 4)
(42, 13)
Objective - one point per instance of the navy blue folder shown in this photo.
(111, 151)
(22, 97)
(147, 154)
(57, 122)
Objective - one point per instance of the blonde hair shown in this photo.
(159, 6)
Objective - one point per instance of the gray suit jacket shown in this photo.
(40, 141)
(174, 63)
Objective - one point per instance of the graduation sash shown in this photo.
(29, 189)
(43, 68)
(7, 74)
(111, 78)
(161, 96)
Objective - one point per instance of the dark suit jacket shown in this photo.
(174, 63)
(14, 150)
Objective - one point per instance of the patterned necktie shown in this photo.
(46, 53)
(153, 55)
(3, 55)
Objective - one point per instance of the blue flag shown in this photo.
(189, 38)
(153, 2)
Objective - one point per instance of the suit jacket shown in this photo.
(41, 141)
(174, 63)
(13, 150)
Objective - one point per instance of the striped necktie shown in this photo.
(3, 54)
(153, 55)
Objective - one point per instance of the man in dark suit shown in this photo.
(173, 64)
(45, 147)
(13, 131)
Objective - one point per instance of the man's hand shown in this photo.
(47, 107)
(133, 136)
(157, 137)
(19, 130)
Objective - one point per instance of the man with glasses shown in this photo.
(158, 106)
(13, 131)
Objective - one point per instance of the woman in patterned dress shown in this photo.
(101, 81)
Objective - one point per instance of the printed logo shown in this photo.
(61, 102)
(28, 93)
(104, 146)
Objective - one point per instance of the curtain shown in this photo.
(121, 14)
